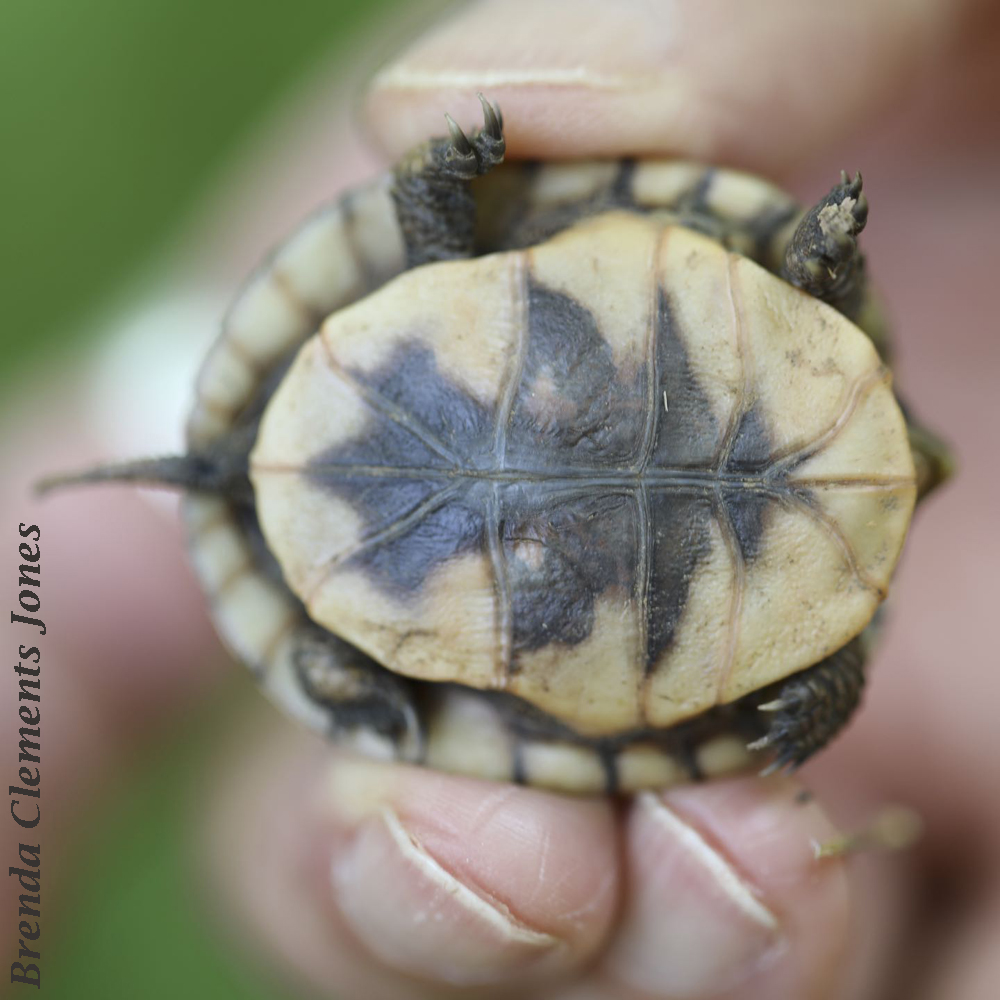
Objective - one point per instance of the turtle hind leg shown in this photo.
(823, 258)
(434, 205)
(368, 706)
(812, 707)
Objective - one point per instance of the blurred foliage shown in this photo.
(136, 917)
(115, 113)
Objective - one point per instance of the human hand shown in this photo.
(703, 891)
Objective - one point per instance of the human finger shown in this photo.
(378, 880)
(724, 896)
(760, 85)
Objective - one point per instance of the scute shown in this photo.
(625, 475)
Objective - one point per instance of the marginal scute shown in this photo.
(220, 553)
(315, 268)
(321, 267)
(254, 613)
(662, 182)
(474, 476)
(562, 765)
(743, 197)
(373, 231)
(467, 735)
(566, 183)
(226, 381)
(646, 766)
(723, 755)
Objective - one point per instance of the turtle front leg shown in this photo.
(369, 707)
(435, 207)
(823, 258)
(813, 706)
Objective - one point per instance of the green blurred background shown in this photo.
(118, 117)
(117, 114)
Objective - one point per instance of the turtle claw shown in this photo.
(465, 156)
(773, 706)
(491, 119)
(458, 138)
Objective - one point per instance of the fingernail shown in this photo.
(419, 918)
(694, 925)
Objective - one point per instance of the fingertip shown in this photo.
(469, 882)
(382, 880)
(725, 897)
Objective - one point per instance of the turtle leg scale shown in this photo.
(434, 204)
(823, 258)
(812, 707)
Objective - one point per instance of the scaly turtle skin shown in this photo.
(584, 475)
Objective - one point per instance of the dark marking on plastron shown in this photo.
(573, 406)
(402, 563)
(385, 443)
(385, 497)
(748, 513)
(594, 492)
(687, 433)
(681, 539)
(561, 556)
(752, 447)
(411, 380)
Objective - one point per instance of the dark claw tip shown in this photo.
(490, 119)
(853, 186)
(458, 137)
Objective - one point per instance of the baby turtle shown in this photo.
(588, 475)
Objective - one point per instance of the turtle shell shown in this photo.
(625, 475)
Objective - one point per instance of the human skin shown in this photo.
(375, 881)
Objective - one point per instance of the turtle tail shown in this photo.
(194, 473)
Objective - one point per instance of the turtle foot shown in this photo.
(822, 257)
(811, 708)
(466, 157)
